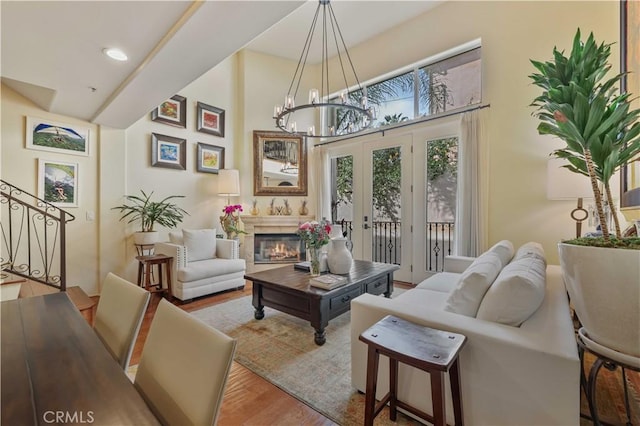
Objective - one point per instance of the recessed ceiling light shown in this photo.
(116, 54)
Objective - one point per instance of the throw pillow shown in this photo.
(531, 249)
(504, 249)
(200, 244)
(517, 292)
(474, 282)
(175, 237)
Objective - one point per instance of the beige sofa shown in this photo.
(526, 375)
(202, 263)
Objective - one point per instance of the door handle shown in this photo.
(365, 226)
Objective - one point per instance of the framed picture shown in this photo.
(168, 152)
(210, 158)
(210, 120)
(58, 183)
(46, 135)
(173, 111)
(630, 63)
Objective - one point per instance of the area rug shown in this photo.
(280, 348)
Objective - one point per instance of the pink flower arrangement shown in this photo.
(315, 234)
(231, 209)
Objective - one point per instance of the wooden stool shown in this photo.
(145, 266)
(427, 349)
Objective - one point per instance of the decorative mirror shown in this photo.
(279, 163)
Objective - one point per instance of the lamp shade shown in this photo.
(563, 184)
(229, 182)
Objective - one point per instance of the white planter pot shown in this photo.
(146, 238)
(604, 287)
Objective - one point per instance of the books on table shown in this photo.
(303, 266)
(328, 281)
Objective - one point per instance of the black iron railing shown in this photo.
(387, 242)
(33, 237)
(439, 244)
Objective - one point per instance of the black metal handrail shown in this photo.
(33, 237)
(387, 247)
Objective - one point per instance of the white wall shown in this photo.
(217, 88)
(20, 168)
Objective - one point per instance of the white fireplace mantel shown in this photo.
(267, 225)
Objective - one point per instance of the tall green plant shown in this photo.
(150, 212)
(585, 109)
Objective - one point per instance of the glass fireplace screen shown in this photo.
(278, 248)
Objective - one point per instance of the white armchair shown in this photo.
(202, 263)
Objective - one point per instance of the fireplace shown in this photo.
(260, 226)
(277, 248)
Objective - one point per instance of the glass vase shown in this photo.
(313, 255)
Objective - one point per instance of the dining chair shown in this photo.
(120, 311)
(184, 368)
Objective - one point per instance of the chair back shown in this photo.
(120, 311)
(184, 367)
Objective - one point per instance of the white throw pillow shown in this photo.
(175, 237)
(504, 249)
(531, 249)
(474, 282)
(200, 244)
(517, 292)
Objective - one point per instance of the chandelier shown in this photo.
(348, 113)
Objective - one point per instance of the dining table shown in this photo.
(55, 370)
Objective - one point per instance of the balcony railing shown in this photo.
(387, 242)
(33, 237)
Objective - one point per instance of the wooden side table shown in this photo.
(145, 267)
(427, 349)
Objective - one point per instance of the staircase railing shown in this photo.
(33, 237)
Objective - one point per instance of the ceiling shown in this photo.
(51, 51)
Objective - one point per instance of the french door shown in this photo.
(372, 199)
(396, 197)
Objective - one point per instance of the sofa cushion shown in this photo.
(443, 282)
(209, 268)
(200, 244)
(474, 282)
(517, 292)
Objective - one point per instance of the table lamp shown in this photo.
(229, 183)
(563, 184)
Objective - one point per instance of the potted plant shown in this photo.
(148, 212)
(582, 106)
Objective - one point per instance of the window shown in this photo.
(430, 88)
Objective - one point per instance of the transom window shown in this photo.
(430, 88)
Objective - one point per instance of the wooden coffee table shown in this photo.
(287, 290)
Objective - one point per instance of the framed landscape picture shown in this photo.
(58, 183)
(173, 111)
(46, 135)
(168, 152)
(210, 158)
(210, 120)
